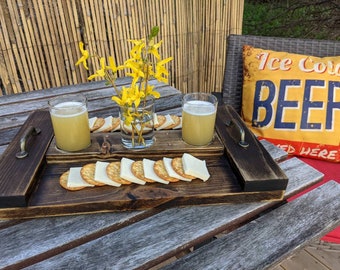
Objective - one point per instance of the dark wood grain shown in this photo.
(167, 143)
(224, 186)
(284, 231)
(256, 169)
(19, 176)
(50, 199)
(168, 233)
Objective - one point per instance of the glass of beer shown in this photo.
(70, 122)
(198, 118)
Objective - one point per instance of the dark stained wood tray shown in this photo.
(107, 146)
(39, 193)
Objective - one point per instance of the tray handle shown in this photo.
(31, 131)
(242, 142)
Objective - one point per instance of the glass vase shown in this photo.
(137, 125)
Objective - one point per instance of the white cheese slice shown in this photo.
(168, 122)
(92, 120)
(116, 128)
(75, 179)
(171, 171)
(155, 119)
(179, 126)
(138, 128)
(150, 173)
(195, 167)
(100, 174)
(107, 124)
(125, 171)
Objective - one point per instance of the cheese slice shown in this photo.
(116, 128)
(125, 171)
(168, 122)
(75, 179)
(171, 171)
(92, 120)
(107, 124)
(150, 173)
(195, 167)
(179, 126)
(100, 174)
(155, 119)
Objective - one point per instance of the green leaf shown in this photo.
(154, 32)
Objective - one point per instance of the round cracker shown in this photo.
(113, 172)
(177, 121)
(98, 123)
(177, 165)
(160, 119)
(115, 123)
(87, 173)
(63, 182)
(161, 171)
(138, 171)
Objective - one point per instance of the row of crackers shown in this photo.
(111, 124)
(128, 171)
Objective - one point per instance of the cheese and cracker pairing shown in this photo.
(111, 124)
(128, 171)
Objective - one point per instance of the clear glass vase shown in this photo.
(137, 125)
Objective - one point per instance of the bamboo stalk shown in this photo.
(40, 39)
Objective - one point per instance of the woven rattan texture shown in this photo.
(233, 76)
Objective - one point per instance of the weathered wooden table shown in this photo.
(251, 235)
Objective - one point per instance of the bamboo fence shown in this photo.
(39, 39)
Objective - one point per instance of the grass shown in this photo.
(289, 19)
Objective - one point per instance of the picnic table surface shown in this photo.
(141, 239)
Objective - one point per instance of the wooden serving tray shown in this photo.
(43, 196)
(107, 146)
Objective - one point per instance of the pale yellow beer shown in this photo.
(198, 122)
(71, 125)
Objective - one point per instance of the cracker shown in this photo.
(63, 182)
(138, 171)
(98, 123)
(161, 120)
(161, 172)
(115, 123)
(177, 121)
(177, 165)
(113, 172)
(87, 173)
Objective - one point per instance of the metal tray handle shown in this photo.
(31, 131)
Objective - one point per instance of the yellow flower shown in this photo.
(125, 99)
(85, 55)
(136, 51)
(136, 95)
(151, 92)
(112, 65)
(162, 73)
(99, 72)
(144, 64)
(153, 49)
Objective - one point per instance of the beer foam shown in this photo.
(68, 109)
(199, 107)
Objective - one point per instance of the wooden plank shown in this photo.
(303, 260)
(284, 231)
(142, 249)
(18, 176)
(252, 163)
(167, 142)
(326, 253)
(50, 199)
(47, 236)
